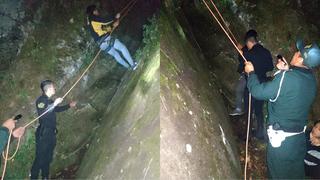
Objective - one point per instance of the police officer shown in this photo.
(290, 95)
(46, 131)
(100, 29)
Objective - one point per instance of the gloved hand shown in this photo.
(57, 101)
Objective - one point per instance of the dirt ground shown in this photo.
(257, 168)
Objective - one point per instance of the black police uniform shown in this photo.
(45, 136)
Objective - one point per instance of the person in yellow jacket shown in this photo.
(100, 29)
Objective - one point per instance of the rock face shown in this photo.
(199, 71)
(196, 139)
(126, 146)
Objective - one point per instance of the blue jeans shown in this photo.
(115, 51)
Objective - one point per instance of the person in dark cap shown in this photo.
(101, 29)
(46, 131)
(262, 61)
(290, 95)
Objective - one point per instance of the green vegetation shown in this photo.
(20, 166)
(151, 38)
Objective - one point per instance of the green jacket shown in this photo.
(295, 97)
(4, 135)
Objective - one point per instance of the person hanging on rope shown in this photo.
(46, 131)
(262, 61)
(101, 29)
(290, 95)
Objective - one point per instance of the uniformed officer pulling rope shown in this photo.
(46, 131)
(290, 95)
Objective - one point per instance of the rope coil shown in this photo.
(124, 11)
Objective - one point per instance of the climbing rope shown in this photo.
(15, 152)
(127, 8)
(224, 30)
(224, 22)
(7, 154)
(124, 11)
(249, 105)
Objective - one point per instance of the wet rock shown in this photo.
(193, 146)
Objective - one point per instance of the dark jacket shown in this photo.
(312, 159)
(100, 27)
(48, 120)
(297, 93)
(261, 59)
(4, 135)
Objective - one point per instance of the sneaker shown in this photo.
(236, 112)
(134, 67)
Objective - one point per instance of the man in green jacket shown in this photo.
(290, 96)
(5, 129)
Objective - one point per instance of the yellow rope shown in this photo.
(14, 154)
(221, 17)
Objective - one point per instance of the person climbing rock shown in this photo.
(312, 157)
(241, 85)
(290, 95)
(100, 29)
(261, 59)
(46, 131)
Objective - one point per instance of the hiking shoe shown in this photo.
(134, 67)
(236, 112)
